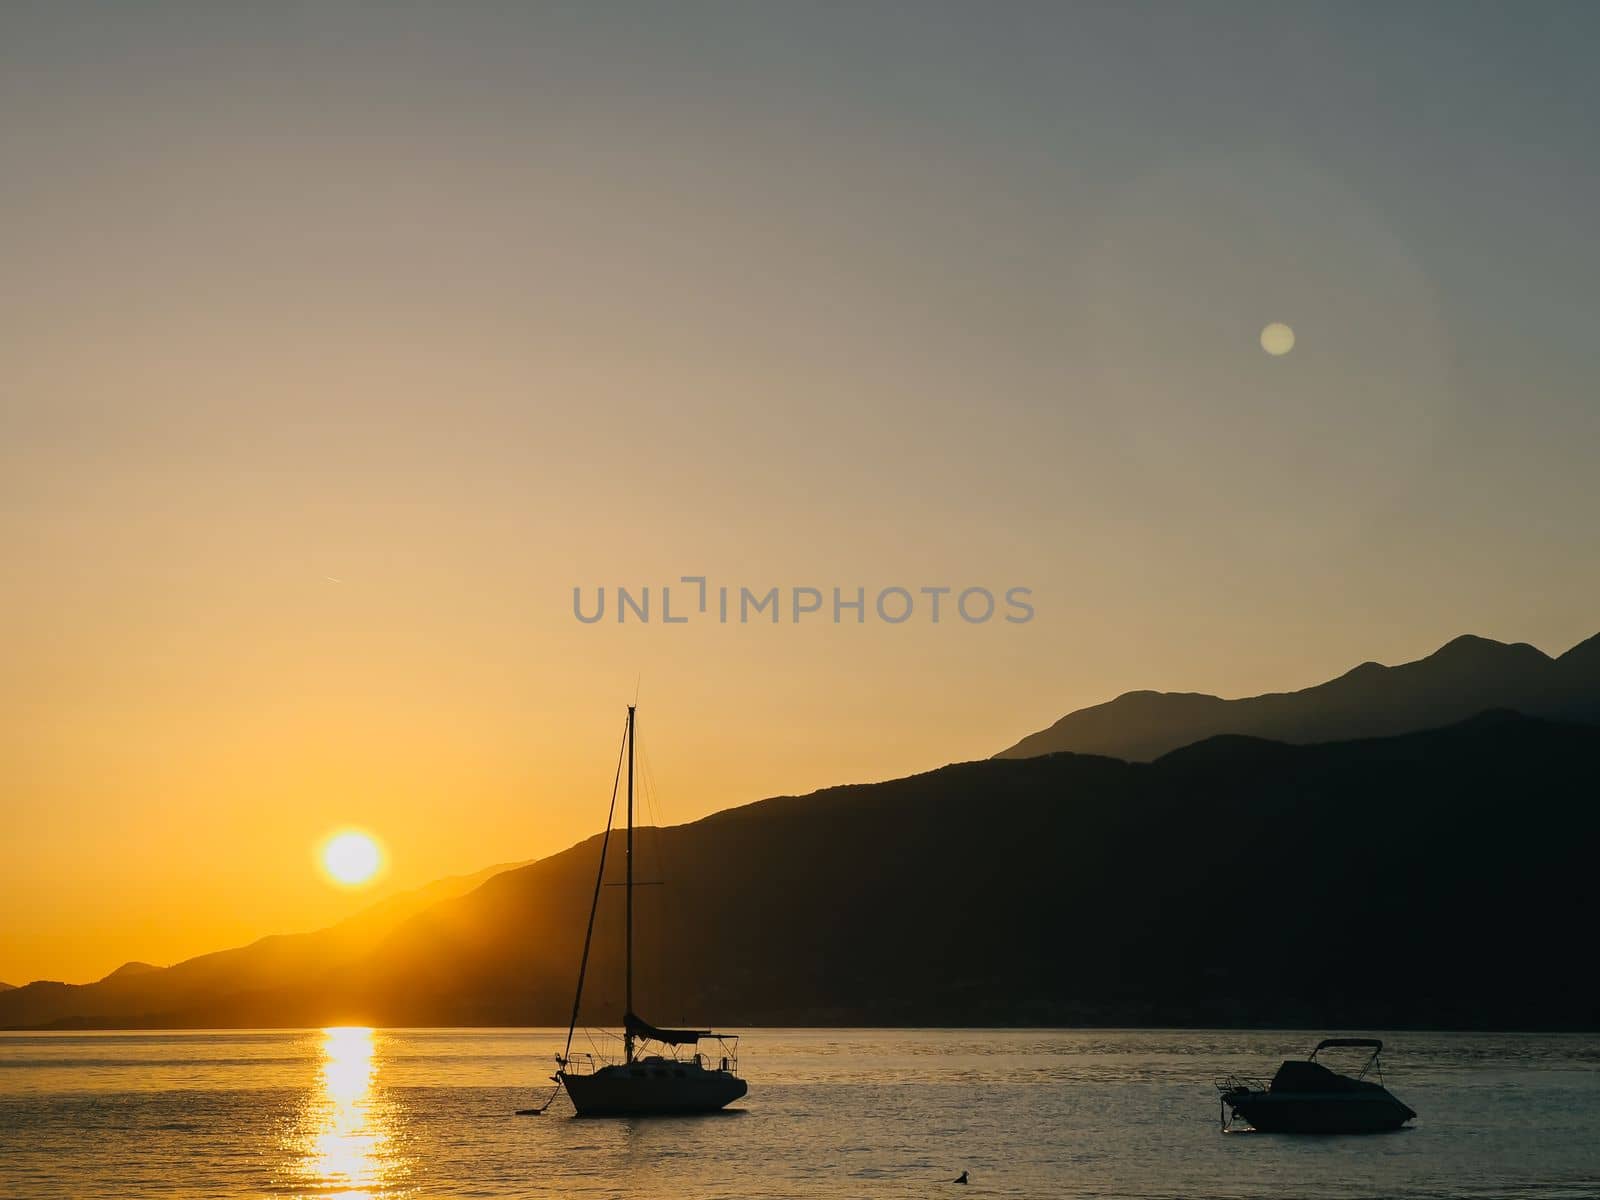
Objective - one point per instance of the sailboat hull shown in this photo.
(638, 1091)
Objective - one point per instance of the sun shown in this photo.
(351, 858)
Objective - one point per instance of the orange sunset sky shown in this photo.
(339, 343)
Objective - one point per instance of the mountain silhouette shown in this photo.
(197, 984)
(1463, 677)
(1430, 880)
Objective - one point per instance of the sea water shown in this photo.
(358, 1113)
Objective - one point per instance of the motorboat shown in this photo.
(1305, 1096)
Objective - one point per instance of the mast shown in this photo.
(627, 1036)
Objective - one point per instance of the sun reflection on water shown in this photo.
(344, 1128)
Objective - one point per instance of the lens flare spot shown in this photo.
(1277, 339)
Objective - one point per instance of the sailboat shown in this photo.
(662, 1071)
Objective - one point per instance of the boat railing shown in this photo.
(584, 1064)
(1242, 1083)
(724, 1058)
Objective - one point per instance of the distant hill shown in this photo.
(137, 987)
(7, 987)
(1466, 676)
(1383, 883)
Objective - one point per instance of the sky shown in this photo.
(339, 343)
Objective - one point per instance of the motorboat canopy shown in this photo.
(1325, 1043)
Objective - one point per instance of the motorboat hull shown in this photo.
(623, 1091)
(1311, 1112)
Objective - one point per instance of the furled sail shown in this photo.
(640, 1028)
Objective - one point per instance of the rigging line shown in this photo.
(651, 790)
(588, 937)
(658, 813)
(594, 905)
(647, 789)
(663, 903)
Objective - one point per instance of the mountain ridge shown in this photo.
(1059, 889)
(254, 963)
(1467, 675)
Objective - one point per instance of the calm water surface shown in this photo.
(358, 1113)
